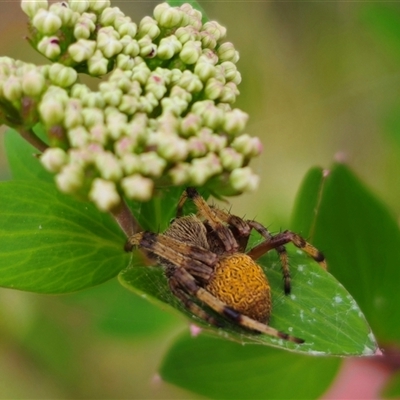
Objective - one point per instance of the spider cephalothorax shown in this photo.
(204, 259)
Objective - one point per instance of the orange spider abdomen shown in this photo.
(241, 284)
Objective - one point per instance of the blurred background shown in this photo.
(321, 82)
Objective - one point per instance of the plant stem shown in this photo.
(31, 138)
(125, 219)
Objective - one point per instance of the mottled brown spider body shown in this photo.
(206, 264)
(241, 284)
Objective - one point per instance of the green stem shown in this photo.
(31, 138)
(125, 219)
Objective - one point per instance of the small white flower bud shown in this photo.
(230, 159)
(129, 104)
(130, 163)
(235, 121)
(128, 28)
(180, 174)
(84, 28)
(108, 166)
(156, 85)
(62, 76)
(197, 148)
(204, 168)
(82, 50)
(46, 22)
(31, 7)
(148, 27)
(93, 99)
(121, 20)
(12, 89)
(229, 94)
(208, 40)
(73, 114)
(217, 30)
(104, 194)
(141, 74)
(98, 6)
(151, 164)
(78, 137)
(109, 14)
(247, 145)
(53, 159)
(168, 47)
(63, 11)
(130, 46)
(166, 16)
(49, 47)
(137, 187)
(227, 52)
(213, 89)
(99, 134)
(111, 95)
(51, 111)
(186, 34)
(213, 142)
(230, 71)
(204, 70)
(125, 62)
(147, 48)
(79, 6)
(190, 82)
(190, 52)
(79, 90)
(108, 42)
(70, 179)
(98, 64)
(190, 124)
(174, 105)
(243, 180)
(33, 83)
(172, 148)
(92, 116)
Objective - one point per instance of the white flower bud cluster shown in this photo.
(164, 115)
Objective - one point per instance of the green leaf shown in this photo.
(319, 309)
(220, 369)
(52, 243)
(361, 242)
(23, 160)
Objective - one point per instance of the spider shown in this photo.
(205, 263)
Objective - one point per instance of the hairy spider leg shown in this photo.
(281, 250)
(225, 235)
(240, 227)
(186, 300)
(190, 285)
(196, 260)
(280, 239)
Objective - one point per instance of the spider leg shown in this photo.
(189, 285)
(223, 233)
(286, 237)
(196, 260)
(281, 250)
(190, 304)
(241, 229)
